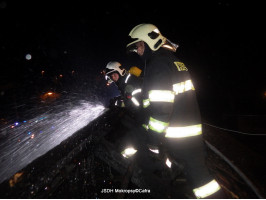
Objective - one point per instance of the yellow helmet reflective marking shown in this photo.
(162, 95)
(185, 131)
(207, 190)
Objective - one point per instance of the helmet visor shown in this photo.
(134, 42)
(132, 49)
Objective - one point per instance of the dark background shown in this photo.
(222, 44)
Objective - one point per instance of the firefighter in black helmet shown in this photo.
(170, 109)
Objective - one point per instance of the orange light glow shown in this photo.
(50, 96)
(16, 178)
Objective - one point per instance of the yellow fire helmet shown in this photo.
(149, 34)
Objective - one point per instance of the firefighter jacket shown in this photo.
(172, 115)
(170, 104)
(130, 89)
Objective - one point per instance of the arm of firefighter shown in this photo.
(117, 102)
(159, 92)
(182, 82)
(133, 90)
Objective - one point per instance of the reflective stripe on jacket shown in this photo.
(169, 97)
(130, 88)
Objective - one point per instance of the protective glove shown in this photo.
(117, 102)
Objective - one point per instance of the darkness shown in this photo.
(221, 43)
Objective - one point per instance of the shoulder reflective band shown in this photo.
(183, 87)
(162, 95)
(157, 126)
(136, 91)
(122, 104)
(154, 150)
(127, 78)
(207, 190)
(128, 152)
(185, 131)
(168, 163)
(145, 126)
(135, 101)
(146, 103)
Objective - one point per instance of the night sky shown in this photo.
(222, 44)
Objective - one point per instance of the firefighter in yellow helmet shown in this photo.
(170, 109)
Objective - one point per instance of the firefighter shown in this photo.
(127, 82)
(170, 110)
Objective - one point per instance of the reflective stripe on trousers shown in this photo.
(157, 125)
(207, 189)
(174, 132)
(185, 131)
